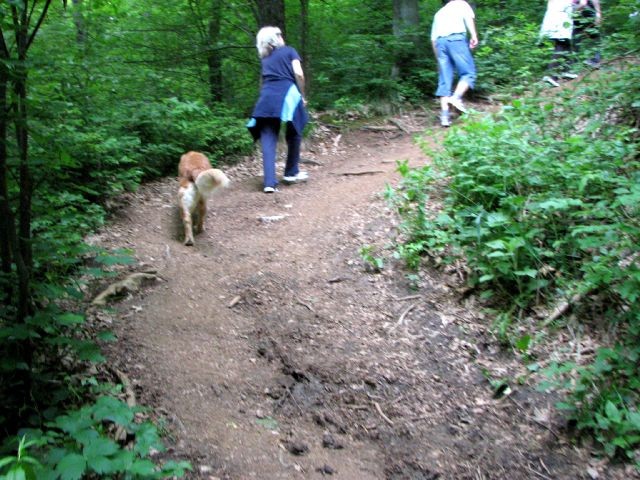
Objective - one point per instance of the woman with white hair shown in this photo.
(281, 100)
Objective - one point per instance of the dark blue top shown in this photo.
(279, 95)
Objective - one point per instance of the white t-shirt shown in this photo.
(452, 18)
(558, 19)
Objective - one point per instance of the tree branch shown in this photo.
(47, 4)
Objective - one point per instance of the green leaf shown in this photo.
(88, 351)
(268, 423)
(69, 319)
(103, 465)
(71, 467)
(143, 467)
(612, 412)
(497, 245)
(529, 272)
(111, 260)
(16, 473)
(106, 336)
(73, 423)
(109, 408)
(6, 461)
(100, 447)
(523, 343)
(147, 437)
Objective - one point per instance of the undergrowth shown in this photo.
(541, 201)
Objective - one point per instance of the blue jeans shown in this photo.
(454, 54)
(269, 142)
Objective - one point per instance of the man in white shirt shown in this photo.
(453, 52)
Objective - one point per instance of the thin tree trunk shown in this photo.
(214, 59)
(271, 13)
(5, 209)
(406, 23)
(78, 20)
(19, 80)
(304, 34)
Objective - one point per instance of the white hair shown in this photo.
(268, 39)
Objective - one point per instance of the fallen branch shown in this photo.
(126, 385)
(121, 432)
(399, 125)
(410, 297)
(563, 308)
(387, 419)
(129, 285)
(403, 316)
(379, 128)
(305, 305)
(363, 172)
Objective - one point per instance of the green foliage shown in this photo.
(604, 397)
(171, 127)
(21, 466)
(542, 202)
(509, 55)
(79, 444)
(373, 263)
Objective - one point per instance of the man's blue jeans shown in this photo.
(454, 55)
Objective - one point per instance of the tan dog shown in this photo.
(197, 181)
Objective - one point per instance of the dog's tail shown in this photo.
(211, 179)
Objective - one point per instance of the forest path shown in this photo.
(274, 354)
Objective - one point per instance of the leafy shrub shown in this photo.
(80, 444)
(172, 127)
(541, 201)
(510, 55)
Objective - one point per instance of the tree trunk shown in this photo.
(406, 24)
(214, 59)
(21, 22)
(270, 13)
(5, 209)
(304, 32)
(78, 20)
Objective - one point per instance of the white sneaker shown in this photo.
(550, 80)
(270, 189)
(457, 102)
(444, 121)
(569, 75)
(299, 177)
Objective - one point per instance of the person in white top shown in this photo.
(453, 53)
(557, 25)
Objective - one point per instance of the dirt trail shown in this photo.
(273, 353)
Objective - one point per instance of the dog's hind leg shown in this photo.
(188, 227)
(185, 198)
(202, 213)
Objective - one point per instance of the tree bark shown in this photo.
(6, 224)
(406, 23)
(270, 13)
(22, 252)
(19, 80)
(78, 20)
(304, 35)
(214, 59)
